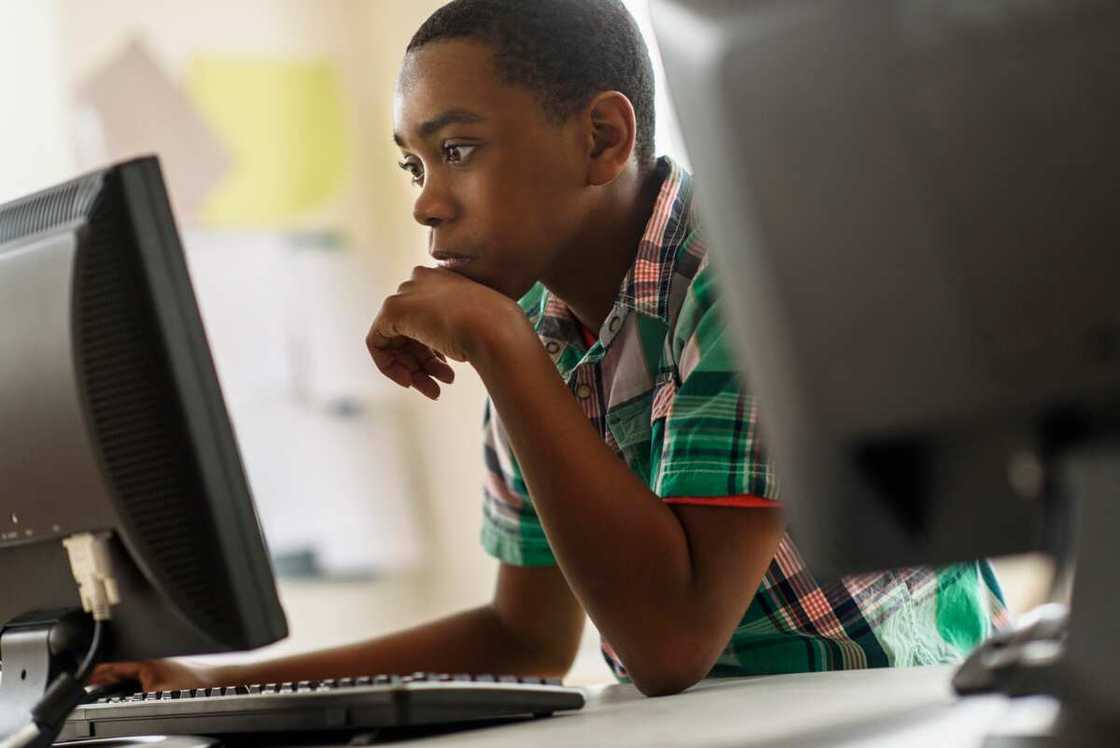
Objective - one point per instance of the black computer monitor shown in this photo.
(112, 423)
(913, 204)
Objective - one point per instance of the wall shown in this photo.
(34, 117)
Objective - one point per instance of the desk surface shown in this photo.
(910, 707)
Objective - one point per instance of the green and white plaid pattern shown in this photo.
(662, 390)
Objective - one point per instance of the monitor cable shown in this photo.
(89, 561)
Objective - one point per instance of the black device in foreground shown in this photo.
(119, 467)
(913, 206)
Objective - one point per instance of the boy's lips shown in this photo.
(450, 260)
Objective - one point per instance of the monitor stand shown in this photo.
(1086, 679)
(34, 650)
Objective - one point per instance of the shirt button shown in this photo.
(615, 323)
(552, 347)
(583, 392)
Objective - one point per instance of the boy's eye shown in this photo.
(415, 170)
(457, 153)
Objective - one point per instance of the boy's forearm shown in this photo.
(624, 553)
(473, 641)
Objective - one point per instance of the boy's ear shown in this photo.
(611, 137)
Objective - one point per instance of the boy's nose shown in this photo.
(433, 206)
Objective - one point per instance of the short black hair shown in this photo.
(566, 51)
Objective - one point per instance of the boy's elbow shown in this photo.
(666, 684)
(669, 670)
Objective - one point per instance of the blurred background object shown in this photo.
(274, 121)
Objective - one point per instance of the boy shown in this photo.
(626, 477)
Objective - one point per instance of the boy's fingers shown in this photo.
(418, 357)
(439, 369)
(114, 672)
(408, 362)
(389, 364)
(425, 385)
(376, 341)
(405, 373)
(399, 373)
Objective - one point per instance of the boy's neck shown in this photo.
(591, 269)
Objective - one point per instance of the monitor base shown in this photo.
(34, 650)
(1084, 674)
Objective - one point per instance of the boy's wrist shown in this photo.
(223, 675)
(495, 336)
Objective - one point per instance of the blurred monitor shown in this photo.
(112, 422)
(913, 203)
(912, 206)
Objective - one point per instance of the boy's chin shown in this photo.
(510, 290)
(505, 286)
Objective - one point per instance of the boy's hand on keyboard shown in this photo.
(156, 675)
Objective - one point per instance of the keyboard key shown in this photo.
(185, 693)
(255, 688)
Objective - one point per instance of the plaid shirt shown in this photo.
(661, 388)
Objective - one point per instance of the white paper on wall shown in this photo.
(131, 107)
(319, 433)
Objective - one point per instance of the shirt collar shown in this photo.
(645, 288)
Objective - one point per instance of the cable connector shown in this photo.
(89, 562)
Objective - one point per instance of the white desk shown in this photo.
(903, 707)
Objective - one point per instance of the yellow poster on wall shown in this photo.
(284, 122)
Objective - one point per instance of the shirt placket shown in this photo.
(585, 385)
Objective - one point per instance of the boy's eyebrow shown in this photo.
(434, 125)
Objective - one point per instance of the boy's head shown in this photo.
(564, 51)
(514, 118)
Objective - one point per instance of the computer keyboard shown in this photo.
(330, 705)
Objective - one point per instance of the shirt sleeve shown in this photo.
(711, 452)
(511, 529)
